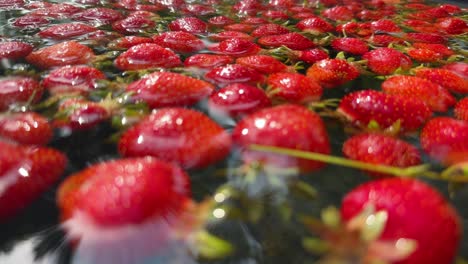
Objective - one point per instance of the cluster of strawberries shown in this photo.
(188, 85)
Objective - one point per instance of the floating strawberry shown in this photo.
(79, 114)
(309, 56)
(163, 89)
(225, 35)
(409, 210)
(59, 11)
(381, 149)
(444, 77)
(27, 128)
(384, 26)
(133, 24)
(30, 21)
(264, 64)
(434, 95)
(292, 40)
(207, 61)
(364, 106)
(240, 27)
(233, 73)
(331, 73)
(289, 126)
(26, 172)
(220, 21)
(127, 42)
(71, 79)
(179, 41)
(384, 40)
(425, 38)
(236, 47)
(66, 31)
(446, 140)
(293, 88)
(459, 68)
(338, 13)
(385, 61)
(453, 25)
(314, 25)
(14, 50)
(350, 45)
(237, 100)
(99, 15)
(189, 24)
(185, 137)
(61, 54)
(461, 109)
(147, 56)
(18, 90)
(269, 29)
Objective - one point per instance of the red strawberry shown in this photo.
(446, 140)
(350, 45)
(61, 54)
(264, 64)
(207, 61)
(292, 40)
(11, 4)
(361, 107)
(133, 24)
(30, 21)
(225, 35)
(253, 20)
(310, 56)
(14, 50)
(434, 95)
(189, 24)
(99, 15)
(461, 109)
(293, 88)
(453, 25)
(240, 27)
(314, 25)
(154, 188)
(185, 137)
(382, 150)
(26, 172)
(66, 31)
(179, 41)
(236, 47)
(59, 11)
(18, 90)
(233, 73)
(330, 73)
(338, 13)
(220, 21)
(288, 126)
(459, 68)
(163, 89)
(354, 28)
(127, 42)
(415, 211)
(385, 61)
(384, 40)
(199, 10)
(437, 48)
(27, 128)
(237, 100)
(247, 7)
(276, 15)
(425, 38)
(80, 114)
(384, 26)
(70, 79)
(444, 77)
(146, 56)
(269, 29)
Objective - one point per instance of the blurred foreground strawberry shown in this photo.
(16, 90)
(28, 128)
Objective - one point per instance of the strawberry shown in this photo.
(189, 24)
(428, 52)
(331, 73)
(288, 126)
(233, 73)
(354, 28)
(240, 27)
(66, 31)
(79, 114)
(363, 106)
(146, 56)
(236, 47)
(11, 4)
(437, 48)
(14, 50)
(154, 189)
(183, 136)
(309, 56)
(18, 90)
(199, 10)
(30, 21)
(61, 54)
(179, 41)
(26, 172)
(220, 21)
(207, 61)
(291, 40)
(71, 79)
(99, 16)
(133, 24)
(459, 68)
(247, 7)
(254, 20)
(237, 100)
(445, 139)
(425, 38)
(163, 89)
(385, 61)
(414, 211)
(264, 64)
(314, 25)
(384, 26)
(58, 11)
(269, 29)
(293, 88)
(382, 150)
(275, 15)
(338, 13)
(127, 42)
(453, 25)
(461, 109)
(445, 78)
(350, 45)
(225, 35)
(384, 40)
(434, 95)
(27, 128)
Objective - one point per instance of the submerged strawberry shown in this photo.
(208, 61)
(14, 50)
(127, 42)
(434, 95)
(236, 47)
(293, 88)
(99, 15)
(364, 106)
(71, 79)
(147, 56)
(18, 90)
(381, 150)
(30, 21)
(445, 78)
(288, 126)
(133, 24)
(61, 54)
(163, 89)
(80, 114)
(269, 29)
(27, 128)
(26, 172)
(413, 211)
(445, 139)
(291, 40)
(179, 41)
(385, 61)
(233, 73)
(264, 64)
(66, 31)
(314, 25)
(182, 136)
(331, 73)
(350, 45)
(189, 24)
(459, 68)
(461, 109)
